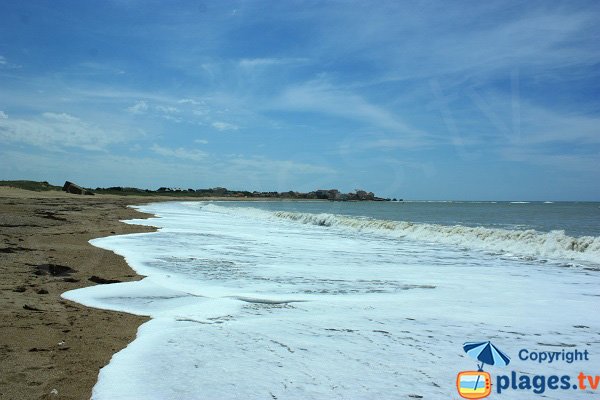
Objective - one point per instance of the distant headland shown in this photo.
(217, 192)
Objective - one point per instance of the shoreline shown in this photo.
(52, 347)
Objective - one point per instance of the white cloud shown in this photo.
(257, 62)
(60, 117)
(201, 141)
(138, 108)
(265, 62)
(320, 97)
(189, 101)
(167, 109)
(172, 118)
(5, 64)
(93, 68)
(59, 131)
(168, 113)
(224, 126)
(3, 115)
(182, 153)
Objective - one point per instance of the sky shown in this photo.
(470, 100)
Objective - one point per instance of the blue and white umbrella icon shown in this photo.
(487, 353)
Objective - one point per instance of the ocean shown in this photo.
(345, 300)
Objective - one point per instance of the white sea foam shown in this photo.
(249, 304)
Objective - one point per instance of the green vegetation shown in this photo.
(31, 185)
(332, 194)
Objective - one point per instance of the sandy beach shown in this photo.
(50, 347)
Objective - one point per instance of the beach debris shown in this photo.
(102, 281)
(54, 392)
(53, 269)
(41, 291)
(35, 349)
(62, 345)
(19, 289)
(70, 187)
(30, 308)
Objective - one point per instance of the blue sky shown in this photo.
(418, 100)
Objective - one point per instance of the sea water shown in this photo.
(319, 300)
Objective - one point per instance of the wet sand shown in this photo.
(51, 348)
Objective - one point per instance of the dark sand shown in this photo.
(49, 345)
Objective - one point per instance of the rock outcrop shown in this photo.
(70, 187)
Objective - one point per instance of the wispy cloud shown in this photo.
(515, 129)
(6, 65)
(224, 126)
(405, 42)
(3, 115)
(139, 107)
(182, 153)
(189, 101)
(258, 62)
(62, 117)
(323, 98)
(100, 68)
(167, 109)
(543, 126)
(268, 62)
(581, 161)
(522, 122)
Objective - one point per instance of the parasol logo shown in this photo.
(478, 384)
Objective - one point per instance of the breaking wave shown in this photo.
(553, 245)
